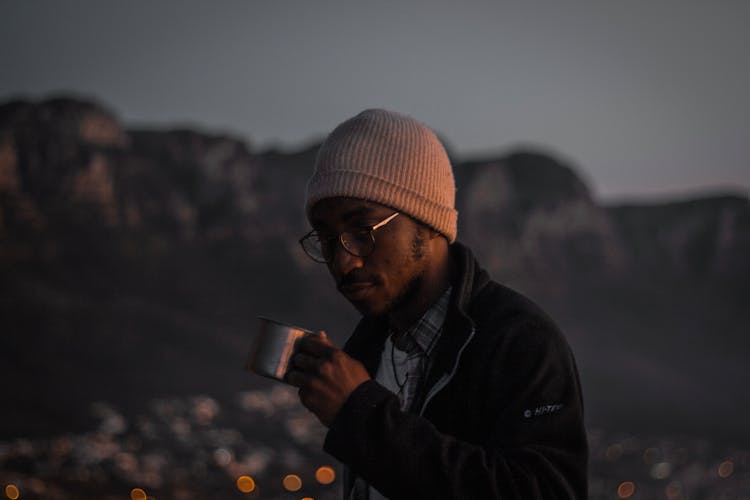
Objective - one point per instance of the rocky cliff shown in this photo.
(135, 261)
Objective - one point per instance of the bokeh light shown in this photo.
(11, 491)
(726, 469)
(614, 452)
(137, 494)
(245, 484)
(674, 490)
(626, 489)
(223, 457)
(651, 455)
(661, 470)
(292, 482)
(325, 475)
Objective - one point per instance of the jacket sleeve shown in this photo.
(529, 443)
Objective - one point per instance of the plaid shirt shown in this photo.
(406, 356)
(403, 364)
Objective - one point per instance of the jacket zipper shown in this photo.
(440, 384)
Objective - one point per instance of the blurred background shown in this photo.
(153, 160)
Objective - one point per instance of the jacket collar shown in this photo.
(468, 281)
(367, 340)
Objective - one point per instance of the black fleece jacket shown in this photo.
(502, 415)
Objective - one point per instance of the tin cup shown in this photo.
(275, 344)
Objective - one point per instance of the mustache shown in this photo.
(356, 277)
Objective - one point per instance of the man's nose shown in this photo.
(344, 262)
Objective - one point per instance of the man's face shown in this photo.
(388, 278)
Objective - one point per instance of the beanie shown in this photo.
(390, 159)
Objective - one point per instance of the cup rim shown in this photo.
(280, 323)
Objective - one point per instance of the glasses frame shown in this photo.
(344, 242)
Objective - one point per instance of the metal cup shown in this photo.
(274, 345)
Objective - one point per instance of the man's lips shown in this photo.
(356, 290)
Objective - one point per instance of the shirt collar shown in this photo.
(421, 336)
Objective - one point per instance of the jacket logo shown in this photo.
(542, 410)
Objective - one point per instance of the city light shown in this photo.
(666, 468)
(11, 491)
(661, 470)
(223, 457)
(651, 455)
(137, 494)
(292, 482)
(626, 489)
(325, 475)
(245, 484)
(726, 469)
(674, 490)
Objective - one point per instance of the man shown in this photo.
(452, 385)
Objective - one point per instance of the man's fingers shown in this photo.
(306, 362)
(317, 346)
(305, 369)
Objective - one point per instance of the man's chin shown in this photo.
(368, 309)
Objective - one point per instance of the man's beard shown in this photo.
(406, 294)
(412, 287)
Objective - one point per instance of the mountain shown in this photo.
(134, 264)
(532, 219)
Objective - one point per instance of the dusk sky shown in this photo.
(647, 99)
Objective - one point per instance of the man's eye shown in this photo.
(359, 236)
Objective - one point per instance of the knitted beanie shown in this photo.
(390, 159)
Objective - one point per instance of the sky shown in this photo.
(645, 99)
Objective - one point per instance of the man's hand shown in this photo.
(325, 375)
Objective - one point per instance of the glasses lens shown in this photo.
(359, 243)
(322, 247)
(314, 247)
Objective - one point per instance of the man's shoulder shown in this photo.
(502, 314)
(497, 310)
(514, 337)
(497, 301)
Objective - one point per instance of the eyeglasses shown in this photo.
(321, 246)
